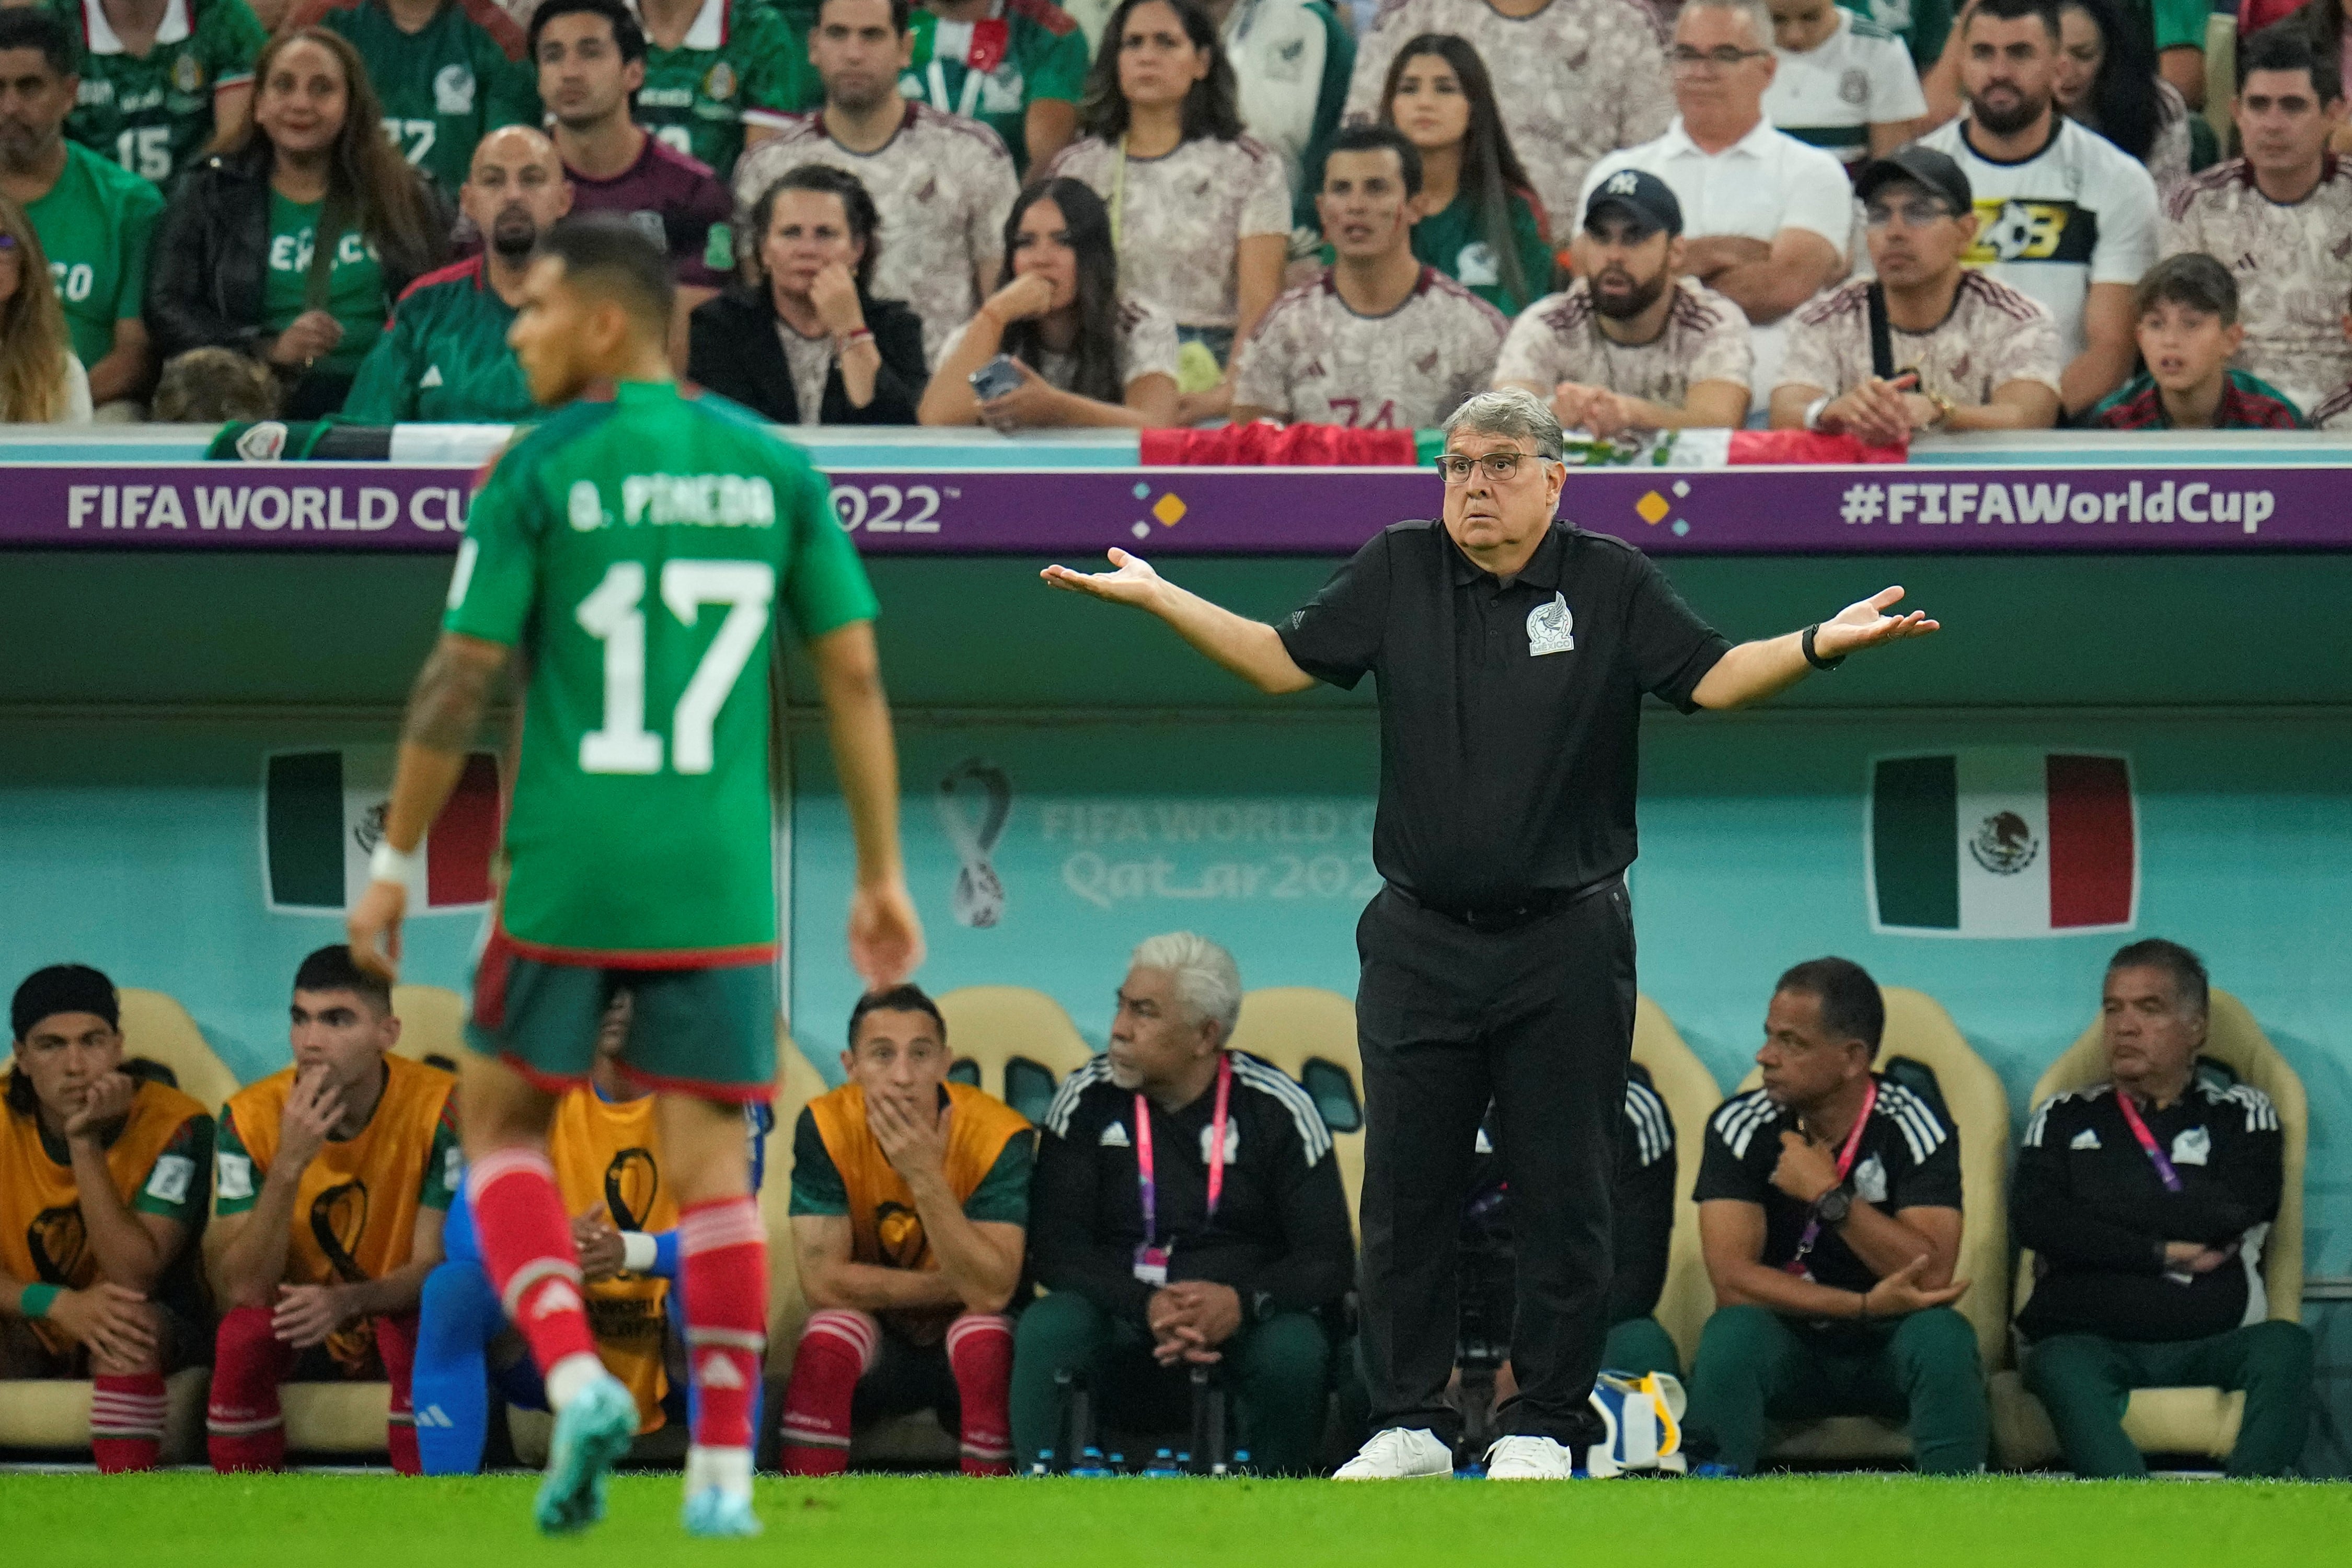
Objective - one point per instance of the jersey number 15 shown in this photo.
(614, 615)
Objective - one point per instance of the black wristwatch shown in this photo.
(1814, 658)
(1831, 1207)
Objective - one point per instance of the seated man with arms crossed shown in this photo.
(2147, 1200)
(1632, 344)
(1829, 1208)
(1968, 353)
(1379, 342)
(103, 1177)
(910, 1200)
(1188, 1212)
(2189, 332)
(333, 1176)
(607, 1148)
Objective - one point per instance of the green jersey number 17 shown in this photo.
(615, 614)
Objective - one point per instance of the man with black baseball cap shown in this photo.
(1929, 344)
(1633, 343)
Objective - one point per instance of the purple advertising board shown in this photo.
(1269, 511)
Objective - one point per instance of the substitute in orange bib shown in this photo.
(102, 1184)
(910, 1209)
(333, 1176)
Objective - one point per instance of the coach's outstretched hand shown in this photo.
(1866, 625)
(1133, 582)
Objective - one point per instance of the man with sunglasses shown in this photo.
(1513, 652)
(1963, 350)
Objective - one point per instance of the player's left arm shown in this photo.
(1755, 670)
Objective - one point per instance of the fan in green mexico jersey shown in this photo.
(156, 112)
(95, 223)
(734, 62)
(449, 71)
(993, 66)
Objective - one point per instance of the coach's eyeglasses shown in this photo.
(1723, 57)
(1501, 466)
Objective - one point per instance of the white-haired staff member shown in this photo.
(1513, 652)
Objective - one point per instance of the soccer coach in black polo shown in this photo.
(1513, 651)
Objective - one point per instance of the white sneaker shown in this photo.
(1529, 1460)
(1399, 1453)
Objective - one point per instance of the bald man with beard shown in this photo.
(443, 357)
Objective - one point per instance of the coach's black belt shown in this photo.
(1542, 904)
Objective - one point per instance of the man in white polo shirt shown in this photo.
(2062, 214)
(1766, 220)
(1843, 83)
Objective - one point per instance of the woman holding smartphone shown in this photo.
(1057, 345)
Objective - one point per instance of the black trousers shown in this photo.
(1539, 1020)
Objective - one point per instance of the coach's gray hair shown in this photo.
(1511, 411)
(1759, 14)
(1208, 982)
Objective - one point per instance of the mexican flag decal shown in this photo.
(322, 815)
(2004, 841)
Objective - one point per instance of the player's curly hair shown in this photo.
(1212, 107)
(33, 341)
(857, 206)
(368, 182)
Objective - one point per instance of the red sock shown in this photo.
(244, 1427)
(126, 1421)
(526, 1243)
(980, 1353)
(395, 1340)
(836, 1349)
(723, 1258)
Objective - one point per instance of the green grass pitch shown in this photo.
(359, 1522)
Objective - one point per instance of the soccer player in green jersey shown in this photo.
(443, 355)
(631, 551)
(1015, 66)
(163, 82)
(449, 71)
(720, 74)
(94, 220)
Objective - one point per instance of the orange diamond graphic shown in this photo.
(1653, 509)
(1170, 511)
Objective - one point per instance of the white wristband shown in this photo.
(638, 1252)
(1813, 411)
(390, 865)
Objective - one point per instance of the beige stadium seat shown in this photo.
(431, 1023)
(1014, 1043)
(1683, 1081)
(2177, 1421)
(1311, 1034)
(1918, 1027)
(156, 1026)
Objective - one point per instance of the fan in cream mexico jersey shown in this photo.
(1560, 338)
(2291, 261)
(1146, 346)
(1291, 62)
(2078, 212)
(1994, 335)
(1315, 360)
(942, 185)
(1830, 94)
(1181, 218)
(1575, 80)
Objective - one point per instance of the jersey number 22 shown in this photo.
(615, 616)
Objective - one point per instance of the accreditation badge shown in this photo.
(1152, 1265)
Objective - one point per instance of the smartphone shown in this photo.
(995, 379)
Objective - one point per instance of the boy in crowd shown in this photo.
(2189, 330)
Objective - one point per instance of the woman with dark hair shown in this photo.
(1085, 354)
(41, 381)
(293, 246)
(2107, 81)
(809, 343)
(1199, 214)
(1480, 223)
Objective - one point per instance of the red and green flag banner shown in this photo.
(2004, 841)
(322, 816)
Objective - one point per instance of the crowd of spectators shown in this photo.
(184, 177)
(1175, 1221)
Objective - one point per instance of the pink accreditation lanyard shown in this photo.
(1845, 1167)
(1143, 1167)
(2155, 1156)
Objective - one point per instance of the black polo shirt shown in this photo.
(1510, 707)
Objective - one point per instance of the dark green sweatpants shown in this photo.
(1278, 1376)
(1755, 1365)
(2084, 1381)
(1641, 1344)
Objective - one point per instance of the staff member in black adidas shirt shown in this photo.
(1513, 653)
(1186, 1210)
(2150, 1249)
(1829, 1210)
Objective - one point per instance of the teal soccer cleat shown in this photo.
(594, 1430)
(715, 1511)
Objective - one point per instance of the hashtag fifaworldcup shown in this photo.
(1963, 501)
